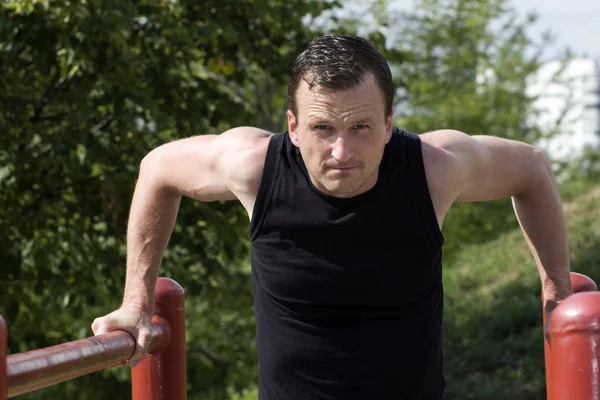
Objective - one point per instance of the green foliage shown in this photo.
(578, 175)
(88, 88)
(493, 340)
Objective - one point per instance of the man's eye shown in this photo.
(321, 127)
(361, 126)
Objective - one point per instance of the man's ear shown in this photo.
(293, 128)
(389, 125)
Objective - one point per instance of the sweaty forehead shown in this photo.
(365, 99)
(326, 111)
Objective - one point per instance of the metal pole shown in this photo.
(575, 344)
(162, 375)
(579, 283)
(3, 362)
(41, 368)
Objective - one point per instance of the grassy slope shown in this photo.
(493, 329)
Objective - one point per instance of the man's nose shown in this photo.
(342, 149)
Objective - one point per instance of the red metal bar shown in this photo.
(40, 368)
(575, 344)
(580, 283)
(162, 375)
(3, 340)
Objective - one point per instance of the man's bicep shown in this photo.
(201, 167)
(493, 168)
(480, 168)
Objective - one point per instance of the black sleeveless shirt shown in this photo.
(348, 292)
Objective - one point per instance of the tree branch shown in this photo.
(41, 103)
(56, 83)
(103, 124)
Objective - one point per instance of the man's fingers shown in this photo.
(136, 322)
(101, 326)
(143, 342)
(95, 325)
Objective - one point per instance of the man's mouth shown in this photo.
(342, 167)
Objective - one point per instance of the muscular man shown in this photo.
(345, 225)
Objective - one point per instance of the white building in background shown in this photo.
(569, 93)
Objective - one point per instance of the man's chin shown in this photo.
(341, 189)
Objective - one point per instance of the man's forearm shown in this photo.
(152, 218)
(540, 213)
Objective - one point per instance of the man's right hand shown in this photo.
(133, 320)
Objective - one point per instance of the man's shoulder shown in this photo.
(247, 137)
(440, 164)
(241, 161)
(437, 147)
(247, 149)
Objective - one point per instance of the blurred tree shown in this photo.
(88, 88)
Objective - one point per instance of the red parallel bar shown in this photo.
(580, 283)
(3, 340)
(40, 368)
(575, 344)
(162, 375)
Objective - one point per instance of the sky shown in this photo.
(574, 23)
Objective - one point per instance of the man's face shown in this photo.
(341, 136)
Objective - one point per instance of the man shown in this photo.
(345, 224)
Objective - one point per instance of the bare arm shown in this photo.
(206, 168)
(483, 168)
